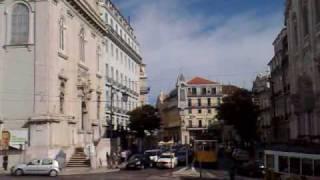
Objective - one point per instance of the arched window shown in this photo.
(82, 45)
(295, 30)
(62, 34)
(20, 24)
(305, 18)
(317, 9)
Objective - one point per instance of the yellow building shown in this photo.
(188, 111)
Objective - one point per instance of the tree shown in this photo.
(144, 119)
(238, 110)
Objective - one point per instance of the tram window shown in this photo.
(317, 167)
(270, 161)
(295, 165)
(307, 167)
(283, 164)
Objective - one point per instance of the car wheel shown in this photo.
(18, 172)
(53, 173)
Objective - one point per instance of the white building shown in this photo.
(54, 58)
(123, 67)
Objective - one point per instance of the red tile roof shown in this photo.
(200, 80)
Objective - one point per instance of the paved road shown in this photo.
(148, 174)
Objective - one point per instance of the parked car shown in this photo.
(138, 161)
(240, 155)
(153, 156)
(38, 166)
(252, 169)
(167, 160)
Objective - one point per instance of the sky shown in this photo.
(228, 41)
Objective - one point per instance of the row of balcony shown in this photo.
(190, 94)
(121, 86)
(117, 109)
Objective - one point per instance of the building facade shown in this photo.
(280, 89)
(125, 72)
(302, 19)
(262, 98)
(59, 62)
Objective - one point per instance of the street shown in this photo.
(147, 174)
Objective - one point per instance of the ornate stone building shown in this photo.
(302, 18)
(280, 89)
(54, 60)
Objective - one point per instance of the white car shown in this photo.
(153, 155)
(38, 166)
(167, 160)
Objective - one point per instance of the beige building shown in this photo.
(54, 59)
(189, 109)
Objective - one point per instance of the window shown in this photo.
(283, 164)
(295, 165)
(20, 24)
(189, 102)
(200, 123)
(98, 105)
(117, 54)
(98, 58)
(199, 102)
(112, 50)
(106, 18)
(307, 167)
(209, 102)
(209, 111)
(117, 28)
(111, 22)
(82, 45)
(190, 123)
(219, 101)
(317, 9)
(47, 162)
(203, 91)
(305, 18)
(107, 71)
(107, 46)
(213, 91)
(190, 111)
(62, 96)
(61, 33)
(112, 73)
(199, 111)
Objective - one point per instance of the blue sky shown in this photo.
(229, 41)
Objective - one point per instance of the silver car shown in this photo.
(38, 166)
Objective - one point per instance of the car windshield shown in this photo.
(165, 156)
(135, 157)
(152, 153)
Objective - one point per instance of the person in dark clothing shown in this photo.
(5, 162)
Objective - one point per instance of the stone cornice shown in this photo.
(123, 45)
(85, 10)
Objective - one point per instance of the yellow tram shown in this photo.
(206, 152)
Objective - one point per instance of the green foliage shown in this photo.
(238, 110)
(144, 119)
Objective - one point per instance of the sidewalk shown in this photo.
(76, 171)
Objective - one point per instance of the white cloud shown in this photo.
(227, 49)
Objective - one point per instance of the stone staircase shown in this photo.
(78, 159)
